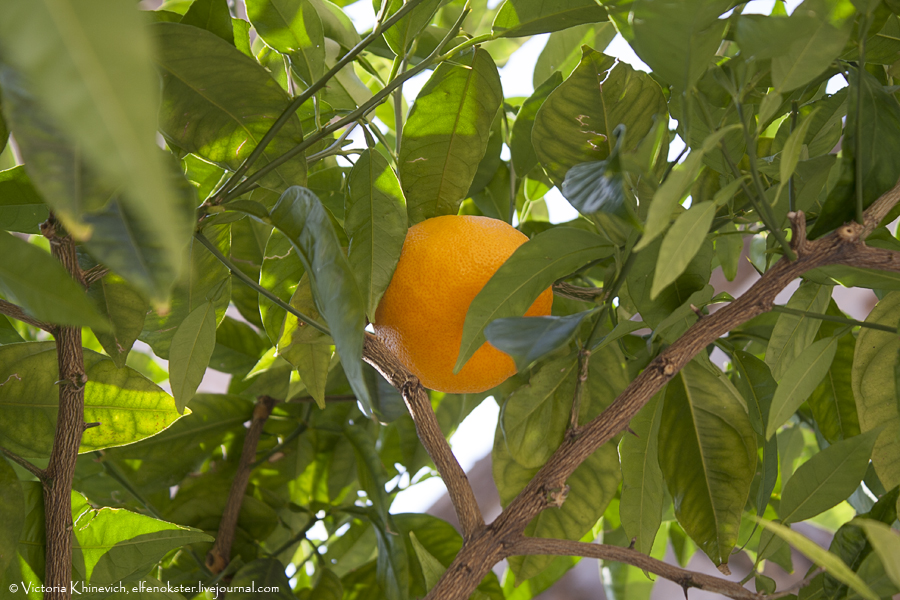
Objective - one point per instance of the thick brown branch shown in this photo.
(376, 354)
(33, 469)
(686, 579)
(12, 310)
(220, 555)
(60, 470)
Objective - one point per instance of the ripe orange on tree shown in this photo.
(444, 263)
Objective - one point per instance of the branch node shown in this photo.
(631, 431)
(849, 232)
(557, 496)
(91, 425)
(697, 311)
(724, 570)
(633, 542)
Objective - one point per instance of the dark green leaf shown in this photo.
(192, 347)
(446, 135)
(643, 488)
(547, 257)
(213, 16)
(21, 208)
(887, 545)
(301, 217)
(261, 573)
(12, 513)
(8, 333)
(294, 28)
(125, 310)
(218, 103)
(39, 284)
(597, 187)
(527, 339)
(826, 479)
(128, 406)
(576, 121)
(873, 388)
(707, 453)
(238, 347)
(832, 402)
(393, 564)
(375, 221)
(523, 157)
(755, 383)
(248, 244)
(99, 53)
(793, 334)
(529, 17)
(804, 375)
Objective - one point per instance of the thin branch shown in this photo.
(832, 318)
(876, 213)
(15, 311)
(470, 519)
(220, 555)
(797, 586)
(684, 578)
(297, 432)
(243, 277)
(28, 466)
(574, 292)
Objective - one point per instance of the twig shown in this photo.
(31, 468)
(585, 294)
(220, 555)
(15, 311)
(376, 354)
(684, 578)
(243, 277)
(67, 438)
(797, 586)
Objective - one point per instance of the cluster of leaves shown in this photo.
(251, 278)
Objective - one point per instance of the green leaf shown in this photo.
(527, 339)
(21, 208)
(597, 187)
(677, 44)
(281, 270)
(100, 54)
(312, 362)
(829, 25)
(886, 543)
(261, 573)
(375, 221)
(301, 217)
(125, 310)
(294, 28)
(676, 187)
(523, 157)
(8, 333)
(238, 347)
(192, 347)
(393, 564)
(446, 135)
(37, 282)
(12, 513)
(547, 257)
(432, 569)
(804, 375)
(401, 34)
(534, 417)
(874, 390)
(832, 402)
(826, 479)
(707, 453)
(113, 544)
(875, 112)
(756, 385)
(563, 50)
(643, 488)
(248, 245)
(336, 24)
(833, 565)
(681, 245)
(200, 280)
(128, 406)
(529, 17)
(793, 334)
(576, 121)
(790, 155)
(218, 103)
(213, 16)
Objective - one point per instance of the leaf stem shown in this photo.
(243, 277)
(791, 190)
(222, 195)
(487, 37)
(863, 30)
(832, 318)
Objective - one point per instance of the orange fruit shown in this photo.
(444, 263)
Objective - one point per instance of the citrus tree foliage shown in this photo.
(197, 155)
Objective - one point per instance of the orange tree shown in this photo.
(173, 176)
